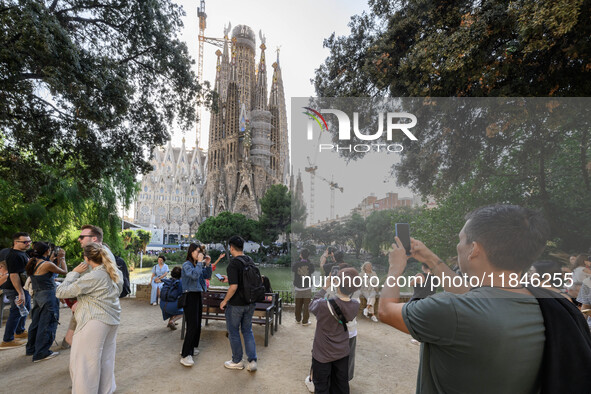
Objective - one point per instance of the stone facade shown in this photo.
(248, 148)
(170, 196)
(248, 140)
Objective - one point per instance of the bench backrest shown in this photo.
(213, 299)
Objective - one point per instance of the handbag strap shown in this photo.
(332, 305)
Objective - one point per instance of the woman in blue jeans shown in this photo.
(194, 272)
(45, 312)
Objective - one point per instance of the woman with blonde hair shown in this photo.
(92, 358)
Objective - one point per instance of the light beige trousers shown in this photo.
(92, 359)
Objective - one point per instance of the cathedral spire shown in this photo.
(233, 65)
(226, 57)
(260, 95)
(274, 97)
(279, 138)
(225, 64)
(214, 124)
(218, 72)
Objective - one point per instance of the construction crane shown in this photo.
(312, 170)
(332, 184)
(219, 42)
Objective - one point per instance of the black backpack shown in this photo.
(123, 268)
(252, 282)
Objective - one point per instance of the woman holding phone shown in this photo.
(45, 312)
(92, 358)
(194, 272)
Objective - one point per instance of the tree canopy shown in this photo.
(527, 152)
(87, 90)
(281, 213)
(461, 48)
(218, 229)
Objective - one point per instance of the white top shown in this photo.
(579, 275)
(97, 294)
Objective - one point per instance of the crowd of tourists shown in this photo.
(500, 336)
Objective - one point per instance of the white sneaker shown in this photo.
(51, 355)
(153, 303)
(306, 324)
(374, 318)
(187, 361)
(251, 366)
(365, 312)
(309, 384)
(415, 342)
(232, 365)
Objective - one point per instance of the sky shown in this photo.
(298, 28)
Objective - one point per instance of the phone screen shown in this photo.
(403, 233)
(219, 276)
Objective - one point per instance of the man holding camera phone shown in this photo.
(493, 338)
(327, 260)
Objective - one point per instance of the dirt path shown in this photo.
(148, 359)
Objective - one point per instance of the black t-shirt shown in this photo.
(16, 262)
(235, 277)
(300, 269)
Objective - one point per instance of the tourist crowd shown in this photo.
(502, 336)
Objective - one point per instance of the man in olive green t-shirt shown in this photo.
(486, 340)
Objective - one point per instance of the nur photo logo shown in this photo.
(394, 121)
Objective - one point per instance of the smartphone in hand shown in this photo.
(403, 233)
(220, 277)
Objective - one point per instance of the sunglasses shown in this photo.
(24, 242)
(84, 236)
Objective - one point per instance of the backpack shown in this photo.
(123, 268)
(252, 282)
(170, 290)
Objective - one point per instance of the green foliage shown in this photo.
(218, 229)
(380, 234)
(86, 89)
(150, 261)
(326, 234)
(144, 236)
(354, 230)
(132, 241)
(284, 260)
(534, 153)
(461, 48)
(276, 212)
(177, 257)
(281, 213)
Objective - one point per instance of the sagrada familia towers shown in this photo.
(248, 147)
(248, 140)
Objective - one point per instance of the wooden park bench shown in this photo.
(267, 312)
